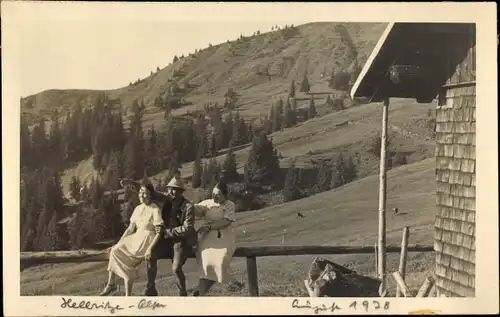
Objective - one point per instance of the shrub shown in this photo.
(399, 159)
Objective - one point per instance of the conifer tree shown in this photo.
(239, 135)
(213, 145)
(150, 148)
(74, 188)
(39, 143)
(99, 223)
(218, 124)
(197, 172)
(56, 142)
(229, 168)
(87, 230)
(350, 171)
(250, 132)
(205, 176)
(25, 143)
(279, 113)
(74, 230)
(304, 85)
(324, 177)
(263, 163)
(291, 189)
(312, 109)
(291, 91)
(174, 166)
(228, 129)
(130, 160)
(50, 239)
(275, 120)
(331, 83)
(113, 172)
(287, 115)
(329, 101)
(338, 172)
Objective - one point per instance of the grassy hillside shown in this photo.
(344, 216)
(325, 136)
(317, 48)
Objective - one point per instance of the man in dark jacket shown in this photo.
(178, 236)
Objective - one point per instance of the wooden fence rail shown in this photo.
(251, 253)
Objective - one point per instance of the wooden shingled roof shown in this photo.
(421, 53)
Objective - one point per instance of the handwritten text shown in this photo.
(316, 308)
(89, 305)
(145, 304)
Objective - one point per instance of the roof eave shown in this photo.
(371, 60)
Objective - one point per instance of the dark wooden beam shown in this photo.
(36, 258)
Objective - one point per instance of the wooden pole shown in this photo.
(253, 282)
(382, 198)
(403, 256)
(425, 290)
(376, 260)
(401, 283)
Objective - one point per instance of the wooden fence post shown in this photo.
(253, 282)
(403, 256)
(382, 198)
(425, 290)
(401, 283)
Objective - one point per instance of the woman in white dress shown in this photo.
(136, 243)
(217, 241)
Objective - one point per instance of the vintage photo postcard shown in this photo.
(267, 158)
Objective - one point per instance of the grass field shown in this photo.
(344, 216)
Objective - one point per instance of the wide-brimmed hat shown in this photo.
(176, 183)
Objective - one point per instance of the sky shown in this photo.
(108, 55)
(106, 45)
(90, 52)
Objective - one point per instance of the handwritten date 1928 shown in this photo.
(374, 304)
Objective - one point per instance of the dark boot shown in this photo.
(151, 273)
(204, 287)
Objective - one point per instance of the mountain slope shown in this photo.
(317, 48)
(324, 137)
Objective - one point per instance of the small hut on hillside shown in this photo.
(425, 61)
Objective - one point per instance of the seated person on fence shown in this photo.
(217, 241)
(178, 237)
(176, 242)
(136, 243)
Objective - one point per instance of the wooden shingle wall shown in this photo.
(456, 191)
(464, 71)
